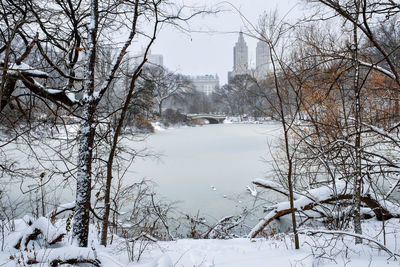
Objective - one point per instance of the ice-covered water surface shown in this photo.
(208, 168)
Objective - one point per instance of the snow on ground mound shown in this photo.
(332, 249)
(158, 127)
(260, 252)
(226, 253)
(278, 251)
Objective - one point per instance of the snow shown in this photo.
(53, 91)
(374, 66)
(314, 197)
(278, 250)
(63, 207)
(67, 252)
(158, 126)
(224, 253)
(245, 120)
(27, 226)
(383, 70)
(274, 251)
(228, 121)
(27, 70)
(252, 190)
(275, 186)
(71, 96)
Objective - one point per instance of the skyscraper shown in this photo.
(240, 56)
(262, 60)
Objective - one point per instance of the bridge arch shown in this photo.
(213, 119)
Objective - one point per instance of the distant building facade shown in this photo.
(204, 83)
(155, 60)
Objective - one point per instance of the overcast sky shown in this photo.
(212, 52)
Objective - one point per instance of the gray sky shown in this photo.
(212, 52)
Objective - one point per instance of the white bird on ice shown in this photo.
(253, 191)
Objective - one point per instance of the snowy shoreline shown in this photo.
(276, 250)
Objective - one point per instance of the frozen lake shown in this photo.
(205, 169)
(208, 168)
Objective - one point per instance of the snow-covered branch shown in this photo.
(26, 70)
(27, 75)
(378, 68)
(60, 209)
(275, 187)
(382, 209)
(62, 96)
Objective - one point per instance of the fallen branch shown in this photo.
(319, 196)
(222, 226)
(379, 244)
(34, 236)
(275, 187)
(57, 211)
(57, 239)
(58, 262)
(145, 235)
(41, 230)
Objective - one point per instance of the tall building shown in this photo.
(262, 60)
(240, 60)
(240, 56)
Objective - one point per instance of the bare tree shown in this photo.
(166, 84)
(275, 34)
(67, 36)
(336, 139)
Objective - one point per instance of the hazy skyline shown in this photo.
(211, 50)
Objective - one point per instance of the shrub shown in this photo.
(143, 125)
(171, 116)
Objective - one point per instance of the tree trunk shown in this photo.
(160, 108)
(358, 166)
(80, 229)
(287, 152)
(110, 162)
(83, 184)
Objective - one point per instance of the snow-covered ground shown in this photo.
(278, 250)
(229, 253)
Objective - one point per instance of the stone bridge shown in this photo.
(212, 118)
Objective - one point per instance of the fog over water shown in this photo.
(208, 168)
